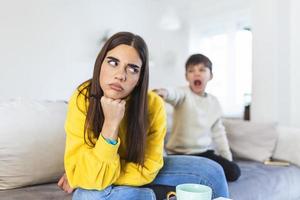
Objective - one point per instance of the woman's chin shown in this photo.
(114, 95)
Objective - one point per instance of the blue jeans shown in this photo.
(176, 170)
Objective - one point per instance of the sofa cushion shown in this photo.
(31, 142)
(249, 140)
(287, 147)
(48, 191)
(265, 182)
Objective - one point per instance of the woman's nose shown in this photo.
(121, 74)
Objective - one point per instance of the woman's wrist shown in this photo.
(109, 131)
(110, 141)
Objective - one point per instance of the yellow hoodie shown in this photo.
(104, 164)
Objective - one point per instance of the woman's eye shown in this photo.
(113, 62)
(133, 70)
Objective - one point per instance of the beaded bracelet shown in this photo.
(110, 141)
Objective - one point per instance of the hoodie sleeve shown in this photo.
(87, 167)
(175, 96)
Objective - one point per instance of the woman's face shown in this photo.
(120, 71)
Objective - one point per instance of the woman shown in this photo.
(115, 132)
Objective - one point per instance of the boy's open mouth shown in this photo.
(197, 82)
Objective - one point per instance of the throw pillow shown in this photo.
(32, 141)
(250, 140)
(287, 147)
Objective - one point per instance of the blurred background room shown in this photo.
(48, 47)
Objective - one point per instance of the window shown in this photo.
(231, 55)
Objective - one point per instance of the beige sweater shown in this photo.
(197, 125)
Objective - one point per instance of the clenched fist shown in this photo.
(113, 110)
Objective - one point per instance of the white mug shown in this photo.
(191, 191)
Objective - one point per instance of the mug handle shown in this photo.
(169, 194)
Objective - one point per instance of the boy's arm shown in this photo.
(173, 96)
(220, 139)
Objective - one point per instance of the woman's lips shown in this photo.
(117, 87)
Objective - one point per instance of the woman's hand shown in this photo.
(64, 184)
(113, 111)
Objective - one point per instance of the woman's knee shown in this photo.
(132, 193)
(196, 165)
(115, 193)
(189, 162)
(197, 170)
(82, 194)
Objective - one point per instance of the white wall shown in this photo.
(276, 74)
(265, 61)
(229, 74)
(295, 62)
(48, 47)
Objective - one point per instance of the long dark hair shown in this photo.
(137, 110)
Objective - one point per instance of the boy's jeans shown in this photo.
(176, 170)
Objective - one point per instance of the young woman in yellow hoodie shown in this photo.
(115, 133)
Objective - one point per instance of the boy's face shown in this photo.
(198, 75)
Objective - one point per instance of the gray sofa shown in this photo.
(257, 182)
(262, 182)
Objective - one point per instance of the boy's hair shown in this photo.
(196, 59)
